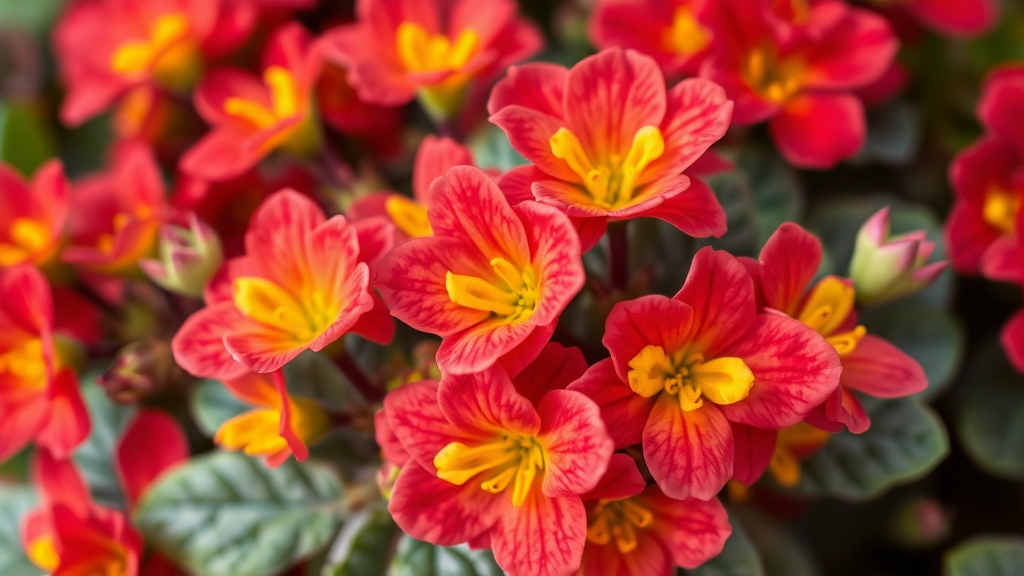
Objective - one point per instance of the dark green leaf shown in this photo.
(491, 149)
(15, 503)
(35, 15)
(416, 558)
(26, 142)
(777, 194)
(894, 134)
(738, 558)
(781, 551)
(226, 514)
(991, 418)
(365, 545)
(906, 441)
(95, 458)
(733, 191)
(989, 556)
(212, 405)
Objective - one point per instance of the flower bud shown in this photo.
(140, 370)
(887, 267)
(188, 258)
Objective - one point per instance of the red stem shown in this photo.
(358, 379)
(618, 261)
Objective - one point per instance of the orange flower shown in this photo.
(32, 217)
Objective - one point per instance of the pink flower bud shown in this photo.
(188, 258)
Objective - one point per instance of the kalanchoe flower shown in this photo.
(675, 33)
(41, 402)
(951, 17)
(492, 278)
(303, 283)
(683, 368)
(799, 73)
(887, 267)
(635, 530)
(431, 49)
(117, 214)
(33, 216)
(409, 215)
(251, 117)
(499, 459)
(280, 426)
(871, 365)
(988, 179)
(189, 257)
(609, 142)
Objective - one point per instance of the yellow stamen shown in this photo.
(168, 53)
(827, 308)
(266, 302)
(612, 182)
(618, 520)
(792, 444)
(408, 215)
(687, 36)
(775, 80)
(512, 296)
(43, 553)
(510, 459)
(285, 100)
(1001, 209)
(421, 51)
(689, 377)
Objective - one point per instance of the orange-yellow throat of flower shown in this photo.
(284, 100)
(791, 445)
(420, 51)
(26, 364)
(689, 377)
(258, 432)
(511, 295)
(618, 521)
(1001, 208)
(687, 36)
(304, 317)
(408, 215)
(827, 308)
(611, 182)
(169, 53)
(510, 459)
(776, 80)
(26, 240)
(112, 561)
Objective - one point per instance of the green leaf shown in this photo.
(35, 15)
(930, 335)
(782, 552)
(733, 191)
(26, 142)
(15, 503)
(906, 440)
(226, 514)
(990, 424)
(212, 404)
(365, 545)
(416, 558)
(776, 191)
(95, 457)
(738, 558)
(894, 134)
(491, 149)
(986, 556)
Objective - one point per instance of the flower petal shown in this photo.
(689, 454)
(1012, 339)
(487, 402)
(624, 412)
(789, 262)
(957, 18)
(543, 537)
(754, 449)
(58, 480)
(694, 531)
(538, 86)
(479, 347)
(695, 211)
(556, 257)
(553, 369)
(416, 419)
(152, 444)
(878, 368)
(621, 480)
(653, 320)
(576, 444)
(697, 115)
(817, 131)
(857, 51)
(67, 423)
(721, 292)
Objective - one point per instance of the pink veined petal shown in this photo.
(878, 368)
(543, 537)
(697, 115)
(526, 354)
(391, 447)
(517, 183)
(529, 132)
(27, 299)
(435, 157)
(721, 292)
(621, 480)
(789, 261)
(819, 130)
(554, 368)
(375, 238)
(376, 324)
(479, 347)
(415, 419)
(1012, 339)
(653, 320)
(222, 154)
(22, 423)
(694, 531)
(486, 401)
(577, 446)
(281, 241)
(556, 258)
(689, 454)
(152, 444)
(754, 449)
(841, 409)
(537, 86)
(695, 211)
(1003, 261)
(625, 413)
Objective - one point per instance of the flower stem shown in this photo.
(618, 260)
(355, 375)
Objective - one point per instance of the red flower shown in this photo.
(778, 451)
(32, 216)
(683, 368)
(957, 18)
(251, 117)
(108, 47)
(401, 49)
(117, 213)
(303, 283)
(491, 278)
(608, 142)
(871, 365)
(499, 459)
(635, 530)
(800, 74)
(281, 424)
(40, 401)
(409, 215)
(988, 179)
(675, 33)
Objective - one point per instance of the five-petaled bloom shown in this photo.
(499, 459)
(34, 215)
(492, 278)
(431, 49)
(303, 283)
(799, 73)
(607, 141)
(635, 530)
(683, 368)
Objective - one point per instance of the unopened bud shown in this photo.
(188, 258)
(140, 370)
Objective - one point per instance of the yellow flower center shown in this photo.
(689, 377)
(266, 302)
(284, 100)
(826, 310)
(785, 462)
(408, 215)
(168, 53)
(687, 36)
(258, 432)
(421, 51)
(1001, 209)
(618, 520)
(508, 460)
(611, 183)
(26, 237)
(26, 363)
(775, 80)
(43, 553)
(512, 295)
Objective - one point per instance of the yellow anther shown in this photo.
(1001, 208)
(775, 80)
(268, 303)
(612, 182)
(408, 215)
(284, 100)
(508, 460)
(689, 377)
(618, 521)
(139, 56)
(421, 51)
(828, 306)
(512, 295)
